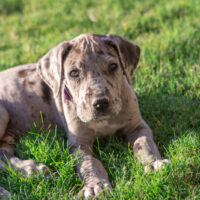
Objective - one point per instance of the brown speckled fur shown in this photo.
(28, 90)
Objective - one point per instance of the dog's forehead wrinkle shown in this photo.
(90, 44)
(93, 54)
(86, 43)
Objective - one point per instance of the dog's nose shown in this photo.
(101, 104)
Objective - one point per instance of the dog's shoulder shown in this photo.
(25, 95)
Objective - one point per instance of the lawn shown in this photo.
(167, 83)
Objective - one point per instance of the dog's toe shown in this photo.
(159, 164)
(93, 189)
(43, 169)
(36, 168)
(30, 167)
(156, 165)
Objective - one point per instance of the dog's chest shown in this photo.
(105, 127)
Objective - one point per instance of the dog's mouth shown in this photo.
(101, 116)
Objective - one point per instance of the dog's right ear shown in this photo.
(50, 66)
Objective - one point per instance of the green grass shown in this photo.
(167, 83)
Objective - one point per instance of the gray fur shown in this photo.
(27, 90)
(4, 194)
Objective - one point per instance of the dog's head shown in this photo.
(93, 68)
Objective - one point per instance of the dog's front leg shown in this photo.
(91, 171)
(144, 147)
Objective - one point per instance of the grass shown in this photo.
(166, 83)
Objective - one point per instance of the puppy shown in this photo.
(85, 87)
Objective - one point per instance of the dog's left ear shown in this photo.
(129, 54)
(50, 66)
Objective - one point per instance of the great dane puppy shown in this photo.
(84, 87)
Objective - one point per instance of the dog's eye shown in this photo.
(112, 67)
(74, 73)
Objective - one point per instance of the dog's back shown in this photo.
(25, 96)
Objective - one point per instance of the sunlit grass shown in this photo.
(166, 83)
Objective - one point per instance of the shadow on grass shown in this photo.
(11, 6)
(175, 121)
(169, 116)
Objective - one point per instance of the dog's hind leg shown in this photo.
(4, 119)
(28, 167)
(7, 157)
(6, 150)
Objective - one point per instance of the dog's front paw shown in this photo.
(30, 167)
(156, 165)
(35, 168)
(94, 188)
